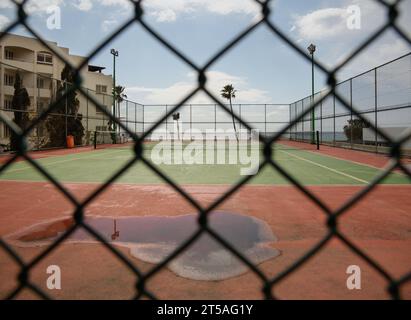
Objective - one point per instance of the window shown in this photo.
(101, 128)
(8, 79)
(6, 131)
(44, 58)
(98, 110)
(40, 83)
(8, 104)
(9, 54)
(101, 89)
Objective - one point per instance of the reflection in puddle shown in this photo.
(153, 238)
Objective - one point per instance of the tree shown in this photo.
(67, 119)
(20, 102)
(353, 130)
(228, 92)
(119, 96)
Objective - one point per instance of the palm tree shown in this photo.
(228, 92)
(119, 96)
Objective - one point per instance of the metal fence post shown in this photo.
(334, 137)
(103, 115)
(303, 129)
(376, 108)
(127, 121)
(87, 116)
(215, 121)
(66, 111)
(143, 119)
(37, 113)
(290, 113)
(351, 117)
(321, 121)
(167, 124)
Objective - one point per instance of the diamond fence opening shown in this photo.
(300, 119)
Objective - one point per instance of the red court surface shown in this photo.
(379, 225)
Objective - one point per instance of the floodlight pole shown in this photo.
(312, 49)
(115, 55)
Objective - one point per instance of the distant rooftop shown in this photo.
(95, 68)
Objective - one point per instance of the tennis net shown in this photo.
(107, 139)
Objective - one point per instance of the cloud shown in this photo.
(231, 6)
(328, 28)
(121, 3)
(175, 8)
(41, 6)
(216, 80)
(88, 4)
(170, 10)
(4, 21)
(331, 23)
(6, 4)
(83, 5)
(323, 23)
(34, 6)
(107, 25)
(167, 15)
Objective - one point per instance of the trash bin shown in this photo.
(70, 141)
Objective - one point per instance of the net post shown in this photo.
(318, 139)
(95, 139)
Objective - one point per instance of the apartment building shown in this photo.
(40, 70)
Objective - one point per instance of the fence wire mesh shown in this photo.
(268, 284)
(382, 95)
(82, 121)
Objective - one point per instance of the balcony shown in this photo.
(19, 57)
(45, 68)
(19, 64)
(8, 90)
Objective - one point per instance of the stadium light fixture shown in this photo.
(115, 54)
(311, 49)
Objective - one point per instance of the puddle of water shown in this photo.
(153, 238)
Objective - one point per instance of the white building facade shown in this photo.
(40, 69)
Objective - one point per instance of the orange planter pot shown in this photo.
(70, 141)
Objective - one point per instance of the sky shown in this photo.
(262, 67)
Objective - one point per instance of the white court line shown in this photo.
(360, 163)
(62, 161)
(327, 168)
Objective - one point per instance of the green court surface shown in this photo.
(308, 167)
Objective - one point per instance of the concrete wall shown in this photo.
(393, 132)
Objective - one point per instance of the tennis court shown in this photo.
(311, 168)
(84, 188)
(378, 225)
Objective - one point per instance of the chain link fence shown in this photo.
(382, 95)
(269, 284)
(82, 121)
